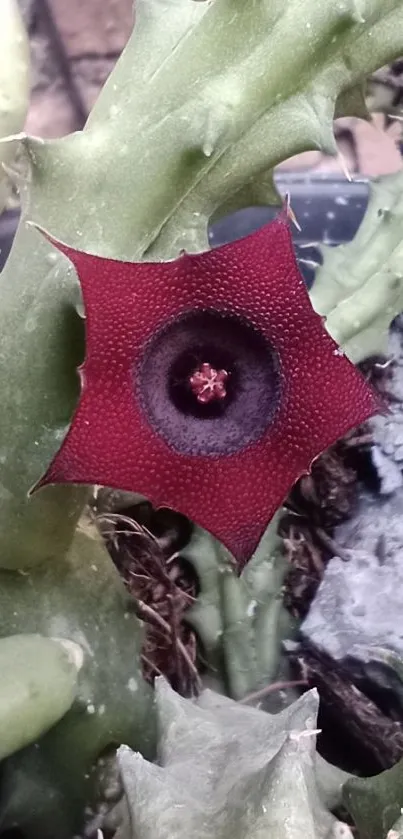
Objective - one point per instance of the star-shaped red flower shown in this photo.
(151, 328)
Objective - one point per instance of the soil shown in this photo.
(145, 545)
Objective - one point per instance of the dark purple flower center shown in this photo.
(209, 383)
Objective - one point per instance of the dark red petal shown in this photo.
(113, 442)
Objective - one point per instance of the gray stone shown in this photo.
(359, 602)
(357, 614)
(399, 453)
(389, 474)
(388, 430)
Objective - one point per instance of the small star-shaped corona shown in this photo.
(209, 383)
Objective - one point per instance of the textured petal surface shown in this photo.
(112, 441)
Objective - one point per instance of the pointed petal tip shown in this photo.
(45, 480)
(61, 246)
(289, 214)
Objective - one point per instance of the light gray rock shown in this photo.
(388, 428)
(357, 614)
(360, 602)
(389, 473)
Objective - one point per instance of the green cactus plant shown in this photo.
(359, 287)
(376, 803)
(38, 686)
(14, 84)
(80, 599)
(240, 621)
(206, 99)
(228, 770)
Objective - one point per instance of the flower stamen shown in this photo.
(208, 384)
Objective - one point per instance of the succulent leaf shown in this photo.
(359, 287)
(38, 686)
(14, 83)
(376, 803)
(42, 343)
(190, 150)
(79, 598)
(240, 621)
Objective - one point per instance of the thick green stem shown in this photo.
(38, 686)
(14, 83)
(78, 598)
(359, 287)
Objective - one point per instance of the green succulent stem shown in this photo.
(38, 686)
(14, 84)
(80, 600)
(240, 621)
(376, 803)
(226, 770)
(359, 287)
